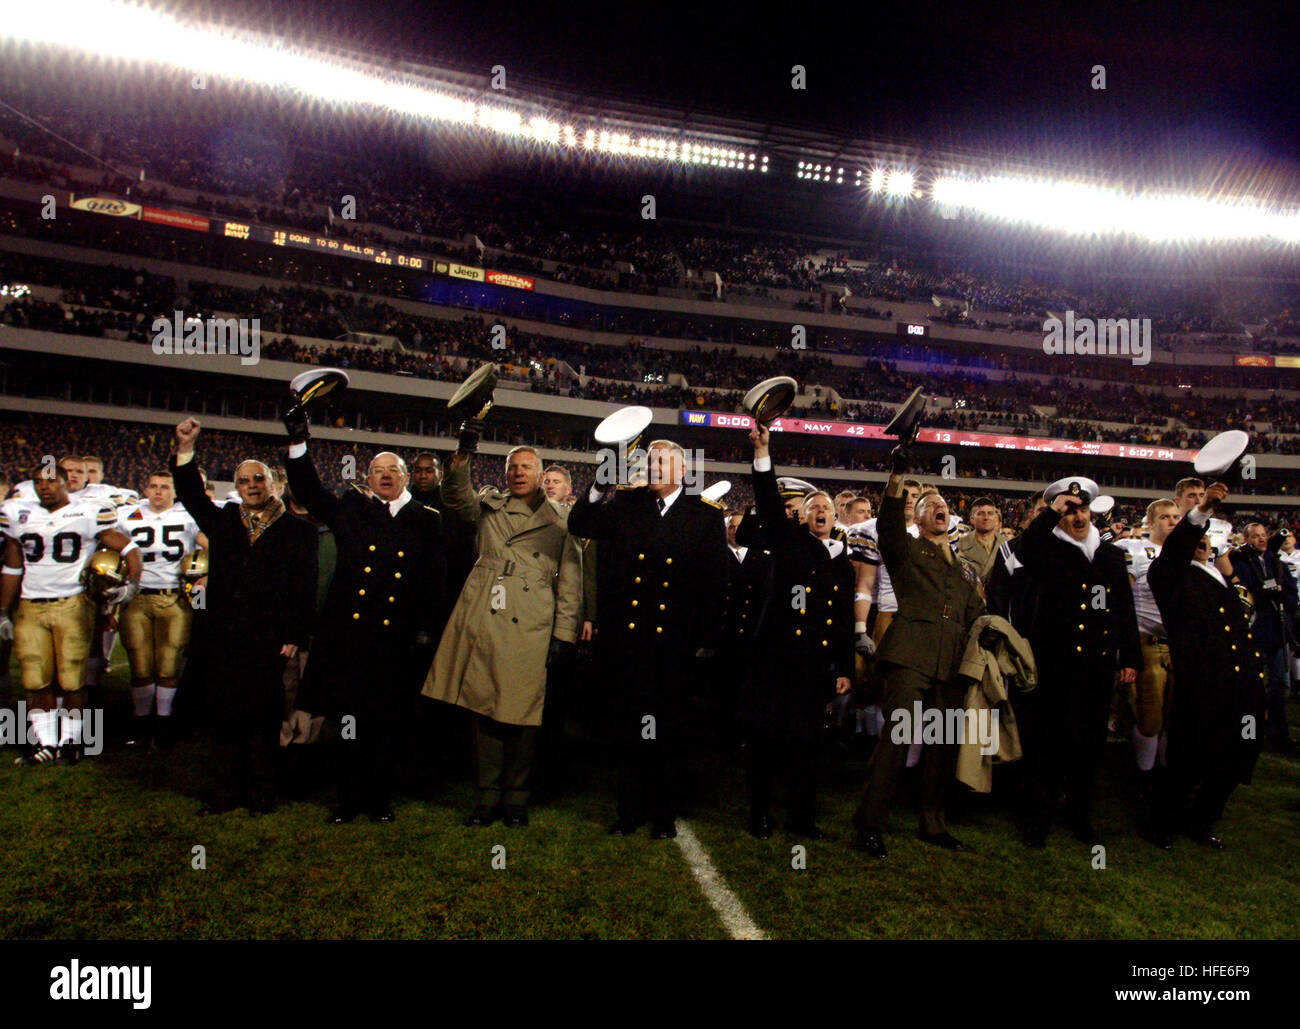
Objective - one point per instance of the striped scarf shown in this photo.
(257, 522)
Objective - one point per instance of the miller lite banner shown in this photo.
(106, 205)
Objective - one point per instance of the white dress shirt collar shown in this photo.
(1209, 569)
(670, 500)
(1088, 544)
(396, 505)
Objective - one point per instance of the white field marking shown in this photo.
(735, 919)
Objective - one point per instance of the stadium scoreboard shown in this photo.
(319, 244)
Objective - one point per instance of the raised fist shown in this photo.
(186, 433)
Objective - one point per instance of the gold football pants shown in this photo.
(54, 634)
(155, 630)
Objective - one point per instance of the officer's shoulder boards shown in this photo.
(713, 503)
(624, 487)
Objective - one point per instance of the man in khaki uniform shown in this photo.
(518, 611)
(979, 548)
(938, 600)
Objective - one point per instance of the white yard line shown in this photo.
(735, 919)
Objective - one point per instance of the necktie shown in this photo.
(662, 505)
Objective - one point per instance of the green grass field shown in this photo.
(105, 850)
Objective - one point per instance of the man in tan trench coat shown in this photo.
(518, 611)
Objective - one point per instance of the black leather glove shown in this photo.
(470, 431)
(296, 423)
(899, 460)
(559, 652)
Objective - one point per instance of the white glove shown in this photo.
(123, 594)
(865, 644)
(6, 627)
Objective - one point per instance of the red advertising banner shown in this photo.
(1254, 361)
(177, 219)
(510, 279)
(951, 437)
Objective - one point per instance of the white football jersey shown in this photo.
(122, 497)
(98, 491)
(864, 545)
(1291, 560)
(164, 540)
(1138, 555)
(57, 545)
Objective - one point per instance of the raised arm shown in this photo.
(307, 487)
(189, 485)
(457, 491)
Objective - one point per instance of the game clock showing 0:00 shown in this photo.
(320, 244)
(912, 329)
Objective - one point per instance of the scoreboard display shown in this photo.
(319, 244)
(913, 329)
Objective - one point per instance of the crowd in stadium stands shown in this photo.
(303, 188)
(128, 300)
(371, 278)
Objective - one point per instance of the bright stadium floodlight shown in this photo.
(1088, 209)
(109, 29)
(900, 183)
(877, 181)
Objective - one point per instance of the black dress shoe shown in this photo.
(482, 816)
(761, 826)
(385, 816)
(624, 827)
(67, 754)
(869, 841)
(516, 816)
(340, 816)
(1159, 838)
(807, 830)
(942, 839)
(663, 831)
(1208, 839)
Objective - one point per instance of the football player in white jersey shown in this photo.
(73, 467)
(47, 546)
(121, 496)
(156, 624)
(874, 588)
(1153, 691)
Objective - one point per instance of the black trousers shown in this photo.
(1062, 734)
(903, 688)
(1202, 774)
(796, 757)
(244, 759)
(366, 760)
(649, 735)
